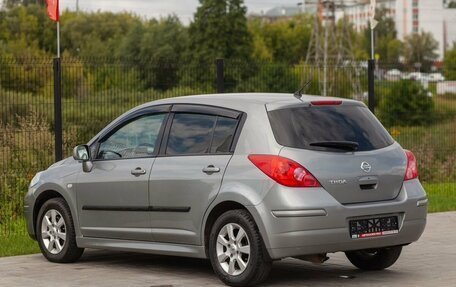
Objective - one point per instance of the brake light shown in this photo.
(284, 170)
(412, 167)
(325, 103)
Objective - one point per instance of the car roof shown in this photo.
(239, 100)
(244, 102)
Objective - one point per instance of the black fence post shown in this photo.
(371, 82)
(220, 76)
(58, 149)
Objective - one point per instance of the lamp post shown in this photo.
(303, 6)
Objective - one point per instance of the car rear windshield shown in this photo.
(314, 127)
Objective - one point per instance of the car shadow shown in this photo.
(289, 272)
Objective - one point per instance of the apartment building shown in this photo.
(411, 16)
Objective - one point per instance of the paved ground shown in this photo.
(429, 262)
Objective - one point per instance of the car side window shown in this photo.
(137, 138)
(223, 134)
(190, 134)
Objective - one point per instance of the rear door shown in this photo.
(188, 173)
(317, 136)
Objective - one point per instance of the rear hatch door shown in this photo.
(345, 147)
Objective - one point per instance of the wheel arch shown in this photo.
(43, 197)
(215, 213)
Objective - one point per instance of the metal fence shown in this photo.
(95, 91)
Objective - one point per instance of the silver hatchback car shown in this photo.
(241, 179)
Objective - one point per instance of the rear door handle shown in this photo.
(138, 171)
(211, 169)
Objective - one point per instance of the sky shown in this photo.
(184, 9)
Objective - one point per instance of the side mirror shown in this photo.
(82, 153)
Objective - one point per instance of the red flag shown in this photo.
(53, 9)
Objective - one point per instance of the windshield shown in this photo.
(328, 128)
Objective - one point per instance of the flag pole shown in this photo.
(58, 122)
(58, 39)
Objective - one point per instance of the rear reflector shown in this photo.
(325, 103)
(284, 170)
(412, 166)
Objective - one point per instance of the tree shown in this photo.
(13, 3)
(452, 4)
(130, 45)
(421, 48)
(19, 44)
(449, 63)
(95, 35)
(281, 41)
(406, 104)
(161, 53)
(272, 77)
(219, 30)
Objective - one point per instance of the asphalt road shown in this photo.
(429, 262)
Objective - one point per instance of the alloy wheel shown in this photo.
(233, 249)
(53, 231)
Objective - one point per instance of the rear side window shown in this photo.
(301, 127)
(223, 135)
(200, 134)
(190, 134)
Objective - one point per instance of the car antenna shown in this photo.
(298, 94)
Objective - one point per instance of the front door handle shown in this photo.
(211, 169)
(138, 171)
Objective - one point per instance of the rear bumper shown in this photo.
(300, 222)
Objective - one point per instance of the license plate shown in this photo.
(372, 227)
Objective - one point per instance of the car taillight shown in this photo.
(412, 167)
(284, 170)
(325, 103)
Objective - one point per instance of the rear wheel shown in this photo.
(374, 259)
(55, 232)
(236, 250)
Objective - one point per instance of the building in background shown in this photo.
(278, 13)
(358, 13)
(411, 16)
(429, 16)
(286, 12)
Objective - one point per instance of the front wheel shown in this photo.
(55, 232)
(236, 250)
(374, 259)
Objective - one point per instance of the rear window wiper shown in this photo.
(344, 145)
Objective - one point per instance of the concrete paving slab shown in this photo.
(429, 262)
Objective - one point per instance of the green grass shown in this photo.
(14, 239)
(17, 244)
(434, 145)
(439, 133)
(442, 196)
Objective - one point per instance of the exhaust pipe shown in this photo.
(314, 258)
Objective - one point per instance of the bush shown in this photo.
(25, 148)
(271, 77)
(407, 103)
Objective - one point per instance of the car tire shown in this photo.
(229, 257)
(55, 232)
(374, 259)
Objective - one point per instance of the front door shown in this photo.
(113, 199)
